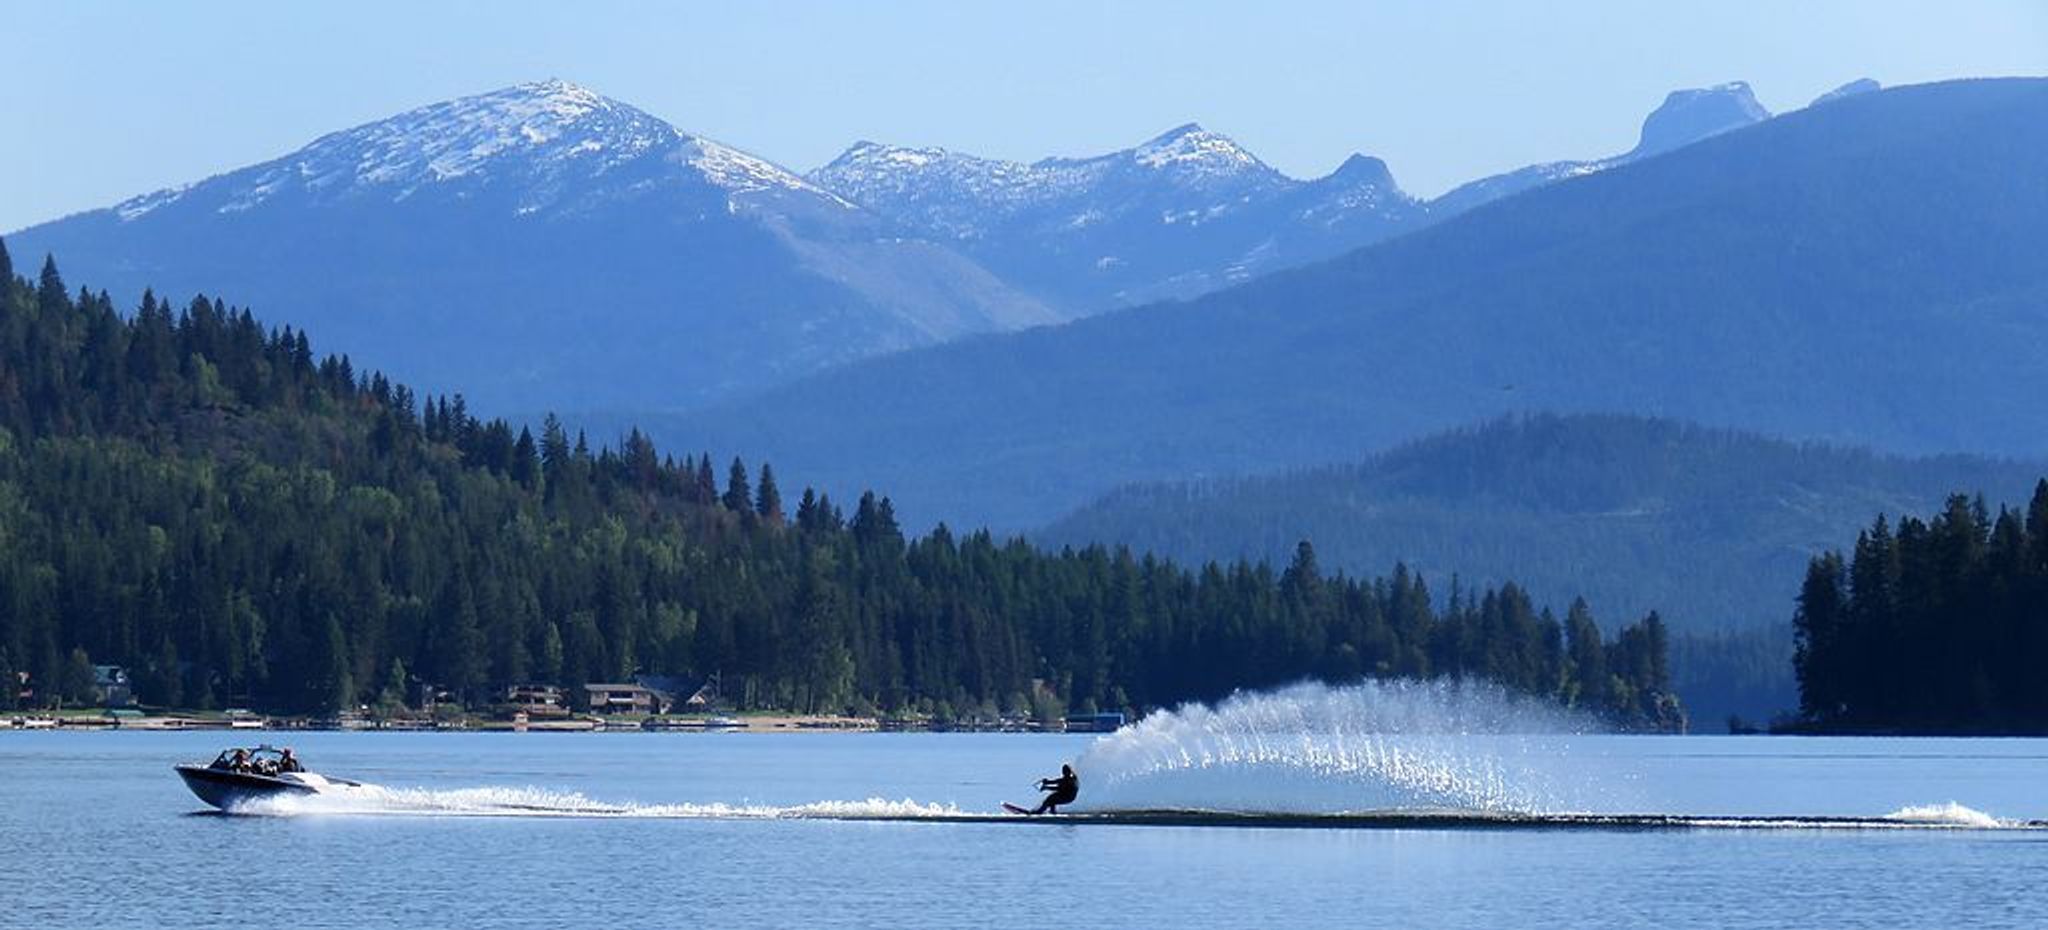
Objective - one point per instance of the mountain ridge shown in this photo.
(544, 127)
(1732, 282)
(543, 244)
(1686, 116)
(1091, 234)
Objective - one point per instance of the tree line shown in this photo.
(201, 499)
(1711, 527)
(1935, 626)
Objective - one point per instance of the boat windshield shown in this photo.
(258, 760)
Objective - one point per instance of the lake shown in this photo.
(95, 830)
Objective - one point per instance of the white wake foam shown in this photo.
(1949, 814)
(377, 800)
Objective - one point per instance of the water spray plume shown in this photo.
(1311, 748)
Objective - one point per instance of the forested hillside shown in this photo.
(1936, 626)
(1711, 527)
(206, 501)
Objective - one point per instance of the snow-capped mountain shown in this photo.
(543, 244)
(1190, 210)
(1184, 212)
(550, 146)
(970, 197)
(1685, 117)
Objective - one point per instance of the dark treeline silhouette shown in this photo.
(201, 499)
(1938, 626)
(1711, 527)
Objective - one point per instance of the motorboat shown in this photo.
(240, 775)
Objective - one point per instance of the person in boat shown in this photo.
(288, 762)
(1064, 789)
(238, 762)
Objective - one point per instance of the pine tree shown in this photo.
(78, 679)
(1657, 648)
(50, 296)
(1302, 576)
(526, 460)
(767, 498)
(1587, 655)
(738, 497)
(1818, 626)
(6, 282)
(807, 510)
(330, 689)
(391, 698)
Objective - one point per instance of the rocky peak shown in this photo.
(1687, 116)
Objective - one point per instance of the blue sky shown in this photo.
(109, 99)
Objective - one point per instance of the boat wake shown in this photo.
(374, 800)
(1950, 814)
(377, 800)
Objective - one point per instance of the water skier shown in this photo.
(1064, 789)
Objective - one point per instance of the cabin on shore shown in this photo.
(537, 700)
(617, 699)
(110, 685)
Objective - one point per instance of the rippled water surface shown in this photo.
(682, 830)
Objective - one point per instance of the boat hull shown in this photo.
(228, 789)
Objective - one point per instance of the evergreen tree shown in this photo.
(1588, 656)
(738, 497)
(50, 295)
(526, 467)
(1819, 624)
(77, 680)
(767, 498)
(330, 688)
(391, 698)
(705, 483)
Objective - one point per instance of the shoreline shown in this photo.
(769, 722)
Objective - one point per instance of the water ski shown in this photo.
(1014, 809)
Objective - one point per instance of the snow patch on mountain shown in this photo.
(547, 140)
(1192, 148)
(1187, 175)
(1851, 89)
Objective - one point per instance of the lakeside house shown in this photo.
(537, 700)
(614, 699)
(110, 685)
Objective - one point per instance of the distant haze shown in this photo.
(111, 100)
